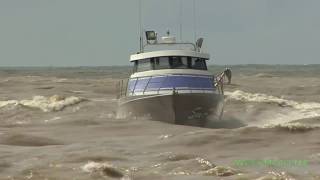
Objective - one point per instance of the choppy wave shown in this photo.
(27, 140)
(264, 98)
(276, 176)
(8, 103)
(190, 164)
(94, 166)
(293, 127)
(104, 169)
(46, 104)
(221, 171)
(165, 136)
(295, 110)
(263, 75)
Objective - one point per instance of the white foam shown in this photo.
(165, 136)
(293, 127)
(8, 103)
(104, 169)
(298, 110)
(22, 122)
(204, 163)
(99, 99)
(59, 80)
(52, 119)
(91, 167)
(276, 175)
(46, 104)
(264, 98)
(221, 171)
(78, 92)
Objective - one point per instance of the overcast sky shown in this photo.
(105, 32)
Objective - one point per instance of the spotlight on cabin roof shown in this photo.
(151, 36)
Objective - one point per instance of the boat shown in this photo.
(171, 84)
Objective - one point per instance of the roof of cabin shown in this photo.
(162, 53)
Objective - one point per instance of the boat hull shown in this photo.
(186, 109)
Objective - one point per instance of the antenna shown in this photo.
(194, 20)
(140, 27)
(180, 3)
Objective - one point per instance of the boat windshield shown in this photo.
(173, 62)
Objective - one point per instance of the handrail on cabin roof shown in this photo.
(162, 43)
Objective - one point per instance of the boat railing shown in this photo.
(219, 80)
(122, 87)
(176, 43)
(123, 90)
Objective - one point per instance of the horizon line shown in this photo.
(95, 66)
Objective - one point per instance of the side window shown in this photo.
(135, 66)
(162, 63)
(152, 61)
(185, 62)
(198, 63)
(144, 65)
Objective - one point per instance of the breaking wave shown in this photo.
(290, 110)
(264, 98)
(221, 171)
(277, 176)
(46, 104)
(189, 164)
(106, 170)
(293, 127)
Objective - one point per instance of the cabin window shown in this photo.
(186, 62)
(143, 65)
(198, 63)
(152, 61)
(135, 67)
(162, 63)
(179, 62)
(175, 62)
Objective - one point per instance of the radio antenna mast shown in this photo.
(194, 21)
(180, 3)
(140, 27)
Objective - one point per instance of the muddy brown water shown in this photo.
(59, 123)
